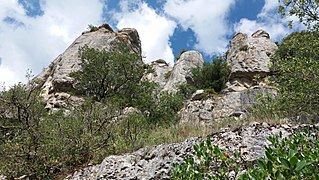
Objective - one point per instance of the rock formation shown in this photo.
(169, 78)
(156, 162)
(248, 58)
(159, 72)
(55, 81)
(181, 72)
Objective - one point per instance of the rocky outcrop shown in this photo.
(156, 162)
(207, 109)
(248, 58)
(181, 72)
(159, 72)
(169, 78)
(55, 81)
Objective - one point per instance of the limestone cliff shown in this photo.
(156, 162)
(248, 59)
(55, 82)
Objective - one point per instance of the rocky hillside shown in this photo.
(55, 81)
(248, 58)
(156, 162)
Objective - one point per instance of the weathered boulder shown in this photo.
(181, 72)
(55, 81)
(209, 109)
(198, 111)
(250, 56)
(159, 72)
(156, 162)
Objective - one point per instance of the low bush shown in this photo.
(209, 162)
(212, 75)
(295, 68)
(294, 157)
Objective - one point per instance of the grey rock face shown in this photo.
(247, 57)
(181, 72)
(199, 111)
(147, 163)
(250, 56)
(156, 162)
(235, 104)
(209, 109)
(55, 80)
(160, 72)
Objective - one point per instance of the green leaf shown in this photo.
(300, 165)
(268, 155)
(262, 164)
(292, 153)
(269, 166)
(284, 162)
(293, 161)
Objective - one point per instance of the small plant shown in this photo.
(168, 74)
(180, 54)
(209, 162)
(92, 28)
(293, 158)
(212, 75)
(243, 48)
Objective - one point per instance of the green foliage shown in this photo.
(243, 48)
(305, 10)
(212, 75)
(295, 157)
(289, 158)
(39, 145)
(186, 90)
(21, 113)
(296, 73)
(92, 28)
(209, 162)
(105, 74)
(180, 53)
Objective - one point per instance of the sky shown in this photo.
(34, 32)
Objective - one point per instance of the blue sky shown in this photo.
(34, 32)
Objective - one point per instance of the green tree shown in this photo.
(108, 74)
(296, 69)
(21, 112)
(39, 145)
(212, 75)
(305, 10)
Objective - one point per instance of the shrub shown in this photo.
(105, 74)
(209, 162)
(295, 157)
(21, 115)
(212, 75)
(243, 48)
(289, 158)
(39, 145)
(296, 73)
(92, 28)
(164, 107)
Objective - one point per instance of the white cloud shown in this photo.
(206, 18)
(154, 29)
(269, 20)
(40, 39)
